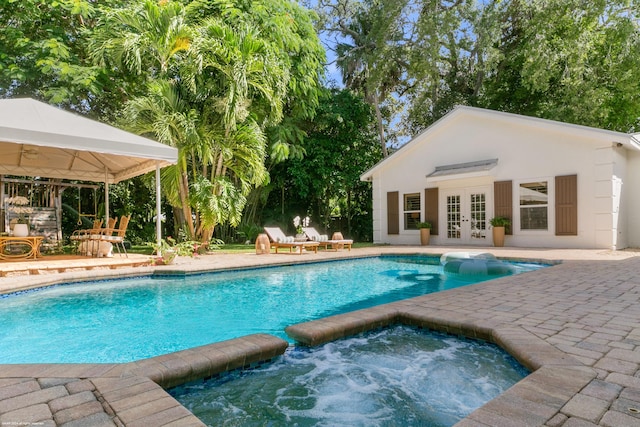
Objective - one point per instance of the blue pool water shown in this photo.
(128, 319)
(395, 377)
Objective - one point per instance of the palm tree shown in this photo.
(164, 114)
(144, 39)
(370, 64)
(245, 88)
(212, 89)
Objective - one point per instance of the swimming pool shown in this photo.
(129, 319)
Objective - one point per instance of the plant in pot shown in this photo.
(168, 249)
(425, 232)
(299, 223)
(499, 223)
(18, 205)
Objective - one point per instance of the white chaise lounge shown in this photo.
(281, 240)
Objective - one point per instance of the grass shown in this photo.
(234, 248)
(229, 248)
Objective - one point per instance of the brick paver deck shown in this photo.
(575, 325)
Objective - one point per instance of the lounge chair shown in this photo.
(323, 240)
(280, 240)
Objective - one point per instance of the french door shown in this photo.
(466, 216)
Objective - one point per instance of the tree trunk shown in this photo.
(383, 142)
(186, 207)
(348, 213)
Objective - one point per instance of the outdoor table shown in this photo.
(30, 242)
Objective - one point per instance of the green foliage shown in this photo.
(566, 60)
(288, 28)
(325, 185)
(219, 78)
(500, 221)
(184, 248)
(369, 50)
(425, 224)
(572, 61)
(44, 54)
(249, 231)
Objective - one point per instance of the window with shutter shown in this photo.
(534, 205)
(411, 211)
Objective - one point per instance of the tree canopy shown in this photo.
(220, 76)
(325, 185)
(566, 60)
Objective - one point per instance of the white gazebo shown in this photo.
(37, 139)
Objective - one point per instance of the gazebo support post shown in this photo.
(106, 196)
(158, 206)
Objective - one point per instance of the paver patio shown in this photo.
(576, 325)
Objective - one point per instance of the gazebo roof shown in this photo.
(37, 139)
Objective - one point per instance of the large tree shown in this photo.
(218, 77)
(566, 60)
(44, 54)
(369, 43)
(325, 185)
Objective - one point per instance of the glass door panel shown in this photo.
(453, 217)
(478, 216)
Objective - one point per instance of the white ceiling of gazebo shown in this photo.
(37, 139)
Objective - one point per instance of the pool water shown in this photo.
(399, 376)
(129, 319)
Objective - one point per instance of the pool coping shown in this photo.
(132, 394)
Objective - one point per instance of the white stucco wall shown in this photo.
(526, 152)
(632, 200)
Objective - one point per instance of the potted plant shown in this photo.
(425, 232)
(498, 224)
(18, 205)
(299, 223)
(168, 249)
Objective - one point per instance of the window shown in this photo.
(411, 211)
(534, 203)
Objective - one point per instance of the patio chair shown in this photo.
(324, 240)
(281, 240)
(84, 234)
(115, 236)
(77, 234)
